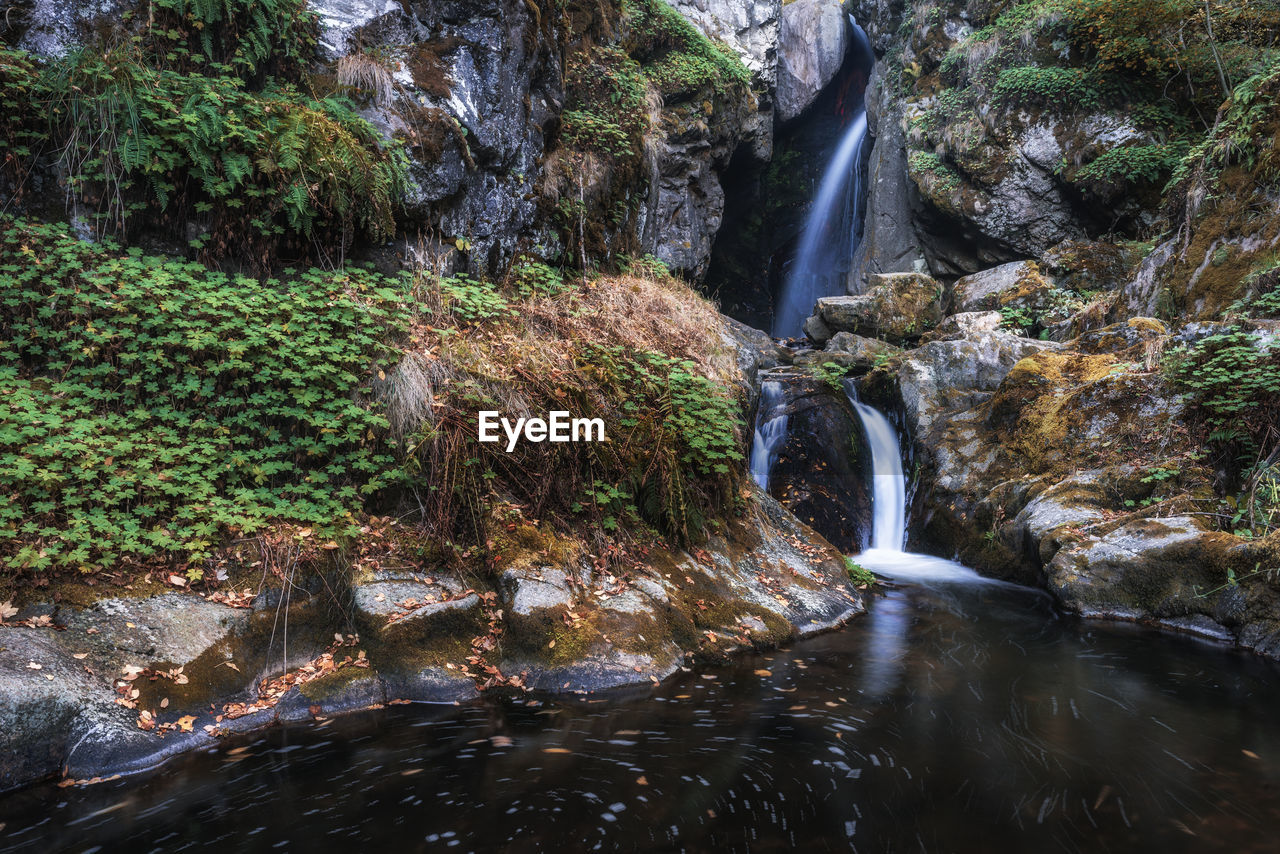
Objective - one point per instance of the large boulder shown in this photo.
(812, 42)
(1147, 568)
(1018, 284)
(945, 376)
(578, 628)
(54, 27)
(966, 324)
(820, 473)
(897, 307)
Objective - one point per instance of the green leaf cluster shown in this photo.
(686, 428)
(149, 406)
(1234, 379)
(605, 109)
(678, 58)
(1134, 163)
(1064, 88)
(246, 36)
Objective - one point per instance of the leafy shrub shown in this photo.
(534, 278)
(1133, 164)
(471, 300)
(1234, 379)
(677, 57)
(1017, 318)
(646, 267)
(928, 163)
(1050, 87)
(1129, 35)
(1263, 285)
(830, 374)
(688, 427)
(277, 160)
(858, 574)
(246, 36)
(151, 406)
(606, 103)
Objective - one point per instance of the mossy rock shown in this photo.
(897, 307)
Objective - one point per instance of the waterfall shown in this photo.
(888, 482)
(771, 431)
(889, 509)
(833, 228)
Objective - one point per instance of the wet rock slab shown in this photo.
(766, 580)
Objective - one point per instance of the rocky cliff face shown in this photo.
(475, 92)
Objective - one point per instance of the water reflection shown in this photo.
(958, 717)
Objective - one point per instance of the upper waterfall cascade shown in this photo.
(833, 228)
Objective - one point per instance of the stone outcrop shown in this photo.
(475, 93)
(819, 474)
(1017, 284)
(812, 42)
(889, 240)
(897, 307)
(75, 691)
(1070, 466)
(750, 28)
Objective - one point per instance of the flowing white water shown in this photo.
(888, 483)
(829, 239)
(834, 226)
(771, 431)
(889, 510)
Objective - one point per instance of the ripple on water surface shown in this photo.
(953, 717)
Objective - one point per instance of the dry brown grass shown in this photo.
(532, 362)
(363, 72)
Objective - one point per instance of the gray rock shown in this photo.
(755, 352)
(54, 27)
(897, 307)
(816, 330)
(944, 376)
(966, 324)
(1144, 296)
(990, 289)
(812, 42)
(889, 241)
(1077, 501)
(1145, 567)
(865, 351)
(534, 589)
(1119, 337)
(686, 200)
(750, 27)
(880, 18)
(173, 627)
(340, 19)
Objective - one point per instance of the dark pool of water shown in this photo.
(950, 718)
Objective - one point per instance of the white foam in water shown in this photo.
(909, 566)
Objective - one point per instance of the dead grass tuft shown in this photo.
(365, 73)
